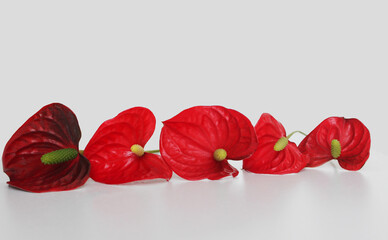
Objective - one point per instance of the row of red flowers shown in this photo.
(43, 154)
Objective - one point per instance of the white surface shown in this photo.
(324, 203)
(301, 61)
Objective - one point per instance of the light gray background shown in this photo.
(301, 61)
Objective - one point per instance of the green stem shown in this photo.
(290, 135)
(153, 151)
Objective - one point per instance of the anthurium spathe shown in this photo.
(42, 155)
(275, 154)
(197, 142)
(347, 140)
(116, 150)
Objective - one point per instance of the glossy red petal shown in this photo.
(109, 151)
(266, 159)
(124, 167)
(243, 146)
(189, 139)
(355, 151)
(351, 133)
(268, 128)
(52, 128)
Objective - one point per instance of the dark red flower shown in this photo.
(43, 156)
(347, 140)
(116, 151)
(197, 142)
(275, 154)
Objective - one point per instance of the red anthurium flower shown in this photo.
(275, 154)
(43, 154)
(347, 140)
(116, 151)
(197, 142)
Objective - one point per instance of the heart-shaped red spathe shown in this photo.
(109, 150)
(52, 128)
(189, 140)
(265, 159)
(353, 136)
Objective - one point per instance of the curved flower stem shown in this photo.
(153, 151)
(290, 135)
